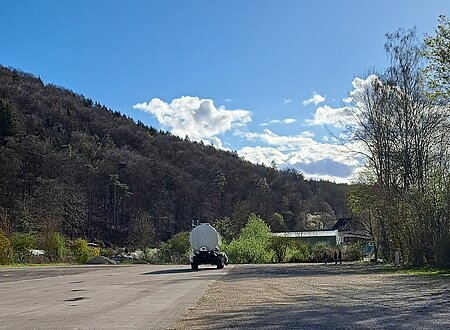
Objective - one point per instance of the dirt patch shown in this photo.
(303, 296)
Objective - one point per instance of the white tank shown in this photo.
(204, 238)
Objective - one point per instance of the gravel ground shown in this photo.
(312, 296)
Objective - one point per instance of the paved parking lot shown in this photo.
(99, 297)
(307, 296)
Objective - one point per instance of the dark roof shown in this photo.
(341, 223)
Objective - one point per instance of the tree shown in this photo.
(8, 119)
(406, 140)
(224, 227)
(5, 248)
(364, 203)
(279, 246)
(141, 232)
(22, 244)
(54, 245)
(252, 245)
(437, 52)
(81, 251)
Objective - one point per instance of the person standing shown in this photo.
(340, 257)
(325, 258)
(335, 257)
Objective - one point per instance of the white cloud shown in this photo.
(195, 117)
(289, 120)
(347, 100)
(316, 99)
(362, 87)
(326, 115)
(279, 121)
(287, 101)
(301, 148)
(314, 159)
(216, 143)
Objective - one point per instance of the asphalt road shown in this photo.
(99, 297)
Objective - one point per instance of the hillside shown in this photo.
(72, 165)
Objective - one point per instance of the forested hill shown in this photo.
(71, 165)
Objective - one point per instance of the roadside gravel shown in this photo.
(313, 296)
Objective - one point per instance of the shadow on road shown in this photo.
(243, 272)
(177, 271)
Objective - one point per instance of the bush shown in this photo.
(252, 245)
(298, 252)
(352, 252)
(176, 249)
(81, 252)
(5, 248)
(22, 244)
(318, 250)
(280, 246)
(54, 245)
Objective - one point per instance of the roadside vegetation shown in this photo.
(62, 186)
(402, 122)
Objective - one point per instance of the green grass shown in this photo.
(33, 265)
(427, 271)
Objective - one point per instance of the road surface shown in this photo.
(99, 297)
(315, 296)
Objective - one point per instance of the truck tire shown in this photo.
(194, 266)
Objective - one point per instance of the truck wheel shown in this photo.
(194, 266)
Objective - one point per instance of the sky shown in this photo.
(270, 80)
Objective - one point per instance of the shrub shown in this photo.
(54, 245)
(352, 252)
(22, 244)
(176, 249)
(298, 252)
(5, 248)
(81, 252)
(252, 245)
(280, 246)
(318, 250)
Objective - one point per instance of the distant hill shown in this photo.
(72, 165)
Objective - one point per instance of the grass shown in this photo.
(427, 271)
(34, 265)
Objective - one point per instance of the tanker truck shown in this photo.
(205, 241)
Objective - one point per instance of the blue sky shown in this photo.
(237, 74)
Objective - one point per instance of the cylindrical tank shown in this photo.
(204, 238)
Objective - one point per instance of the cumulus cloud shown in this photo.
(303, 148)
(361, 87)
(316, 99)
(318, 160)
(197, 118)
(326, 115)
(287, 101)
(216, 143)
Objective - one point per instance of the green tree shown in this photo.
(8, 119)
(81, 251)
(176, 249)
(54, 245)
(252, 245)
(5, 248)
(224, 227)
(280, 246)
(22, 244)
(437, 52)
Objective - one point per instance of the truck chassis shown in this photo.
(214, 258)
